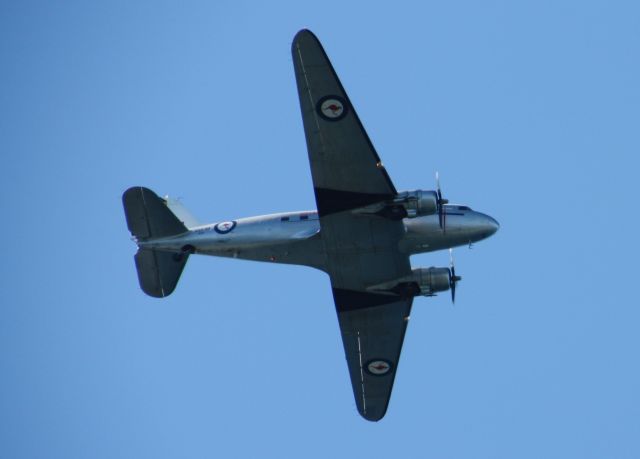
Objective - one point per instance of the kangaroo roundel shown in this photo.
(378, 367)
(332, 108)
(224, 227)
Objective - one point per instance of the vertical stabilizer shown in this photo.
(181, 212)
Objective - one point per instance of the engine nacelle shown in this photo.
(421, 281)
(432, 280)
(408, 204)
(418, 203)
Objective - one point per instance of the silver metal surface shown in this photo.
(419, 203)
(252, 235)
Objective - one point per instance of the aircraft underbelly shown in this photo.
(307, 252)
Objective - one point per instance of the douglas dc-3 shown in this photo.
(361, 235)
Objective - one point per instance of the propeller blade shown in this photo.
(442, 215)
(453, 279)
(453, 293)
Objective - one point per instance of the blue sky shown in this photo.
(529, 110)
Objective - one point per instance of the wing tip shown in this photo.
(374, 415)
(303, 34)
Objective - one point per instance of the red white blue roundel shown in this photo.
(224, 227)
(332, 108)
(378, 367)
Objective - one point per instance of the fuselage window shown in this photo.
(284, 219)
(304, 217)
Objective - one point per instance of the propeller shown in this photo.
(453, 279)
(442, 216)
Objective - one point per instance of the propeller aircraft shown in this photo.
(362, 233)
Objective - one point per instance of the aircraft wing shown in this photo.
(373, 328)
(361, 250)
(347, 171)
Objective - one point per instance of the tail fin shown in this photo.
(182, 212)
(149, 217)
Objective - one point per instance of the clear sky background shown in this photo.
(530, 110)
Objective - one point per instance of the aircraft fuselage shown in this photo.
(294, 237)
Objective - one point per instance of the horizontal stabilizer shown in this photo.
(159, 272)
(148, 216)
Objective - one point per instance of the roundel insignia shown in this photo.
(224, 227)
(332, 108)
(378, 367)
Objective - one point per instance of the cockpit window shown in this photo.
(464, 208)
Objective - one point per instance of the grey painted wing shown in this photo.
(373, 328)
(361, 252)
(347, 172)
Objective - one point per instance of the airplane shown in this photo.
(362, 233)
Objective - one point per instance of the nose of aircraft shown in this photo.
(489, 225)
